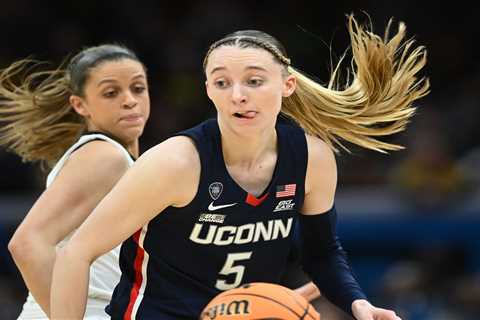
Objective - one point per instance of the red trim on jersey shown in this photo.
(138, 276)
(254, 201)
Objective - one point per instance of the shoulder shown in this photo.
(177, 152)
(174, 162)
(88, 173)
(95, 163)
(99, 154)
(319, 153)
(321, 167)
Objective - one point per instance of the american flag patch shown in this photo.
(286, 190)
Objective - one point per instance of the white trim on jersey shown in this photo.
(144, 272)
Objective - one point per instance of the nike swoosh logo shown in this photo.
(211, 207)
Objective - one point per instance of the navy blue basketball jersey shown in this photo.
(224, 237)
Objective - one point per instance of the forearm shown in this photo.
(36, 266)
(333, 275)
(325, 261)
(69, 286)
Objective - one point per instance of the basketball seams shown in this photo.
(269, 302)
(300, 303)
(308, 312)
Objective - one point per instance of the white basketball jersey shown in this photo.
(104, 272)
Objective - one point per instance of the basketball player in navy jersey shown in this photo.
(214, 206)
(84, 123)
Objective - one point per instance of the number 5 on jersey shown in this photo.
(230, 268)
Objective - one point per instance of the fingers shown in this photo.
(384, 314)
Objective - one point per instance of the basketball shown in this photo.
(259, 300)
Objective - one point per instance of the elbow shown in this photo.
(18, 246)
(22, 247)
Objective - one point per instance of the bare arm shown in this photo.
(85, 179)
(166, 175)
(321, 179)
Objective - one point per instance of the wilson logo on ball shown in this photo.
(235, 307)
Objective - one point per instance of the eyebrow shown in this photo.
(108, 80)
(246, 68)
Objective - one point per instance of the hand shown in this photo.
(363, 310)
(309, 291)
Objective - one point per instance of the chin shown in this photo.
(131, 134)
(133, 130)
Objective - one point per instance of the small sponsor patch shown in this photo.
(210, 217)
(284, 205)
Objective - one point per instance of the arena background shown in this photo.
(409, 220)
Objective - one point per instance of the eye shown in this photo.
(139, 89)
(110, 93)
(221, 84)
(255, 82)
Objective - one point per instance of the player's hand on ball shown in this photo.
(363, 310)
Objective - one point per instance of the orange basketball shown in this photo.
(259, 301)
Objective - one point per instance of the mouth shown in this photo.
(132, 117)
(245, 114)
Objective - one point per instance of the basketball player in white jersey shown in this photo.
(85, 122)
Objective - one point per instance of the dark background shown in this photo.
(409, 220)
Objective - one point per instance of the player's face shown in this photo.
(116, 99)
(246, 86)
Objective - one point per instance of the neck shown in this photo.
(133, 148)
(247, 151)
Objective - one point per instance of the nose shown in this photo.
(238, 94)
(129, 101)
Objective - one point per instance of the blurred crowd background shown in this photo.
(409, 220)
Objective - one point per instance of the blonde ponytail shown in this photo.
(36, 119)
(378, 101)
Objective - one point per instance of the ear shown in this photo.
(289, 85)
(78, 105)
